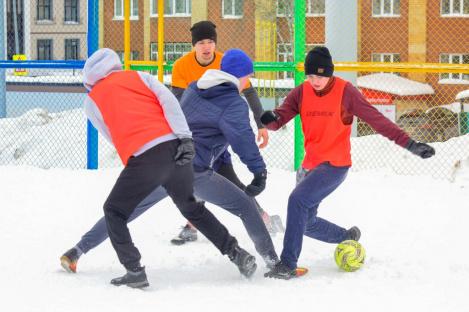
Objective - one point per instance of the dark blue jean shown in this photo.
(303, 205)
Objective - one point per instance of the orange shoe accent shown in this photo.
(68, 265)
(300, 271)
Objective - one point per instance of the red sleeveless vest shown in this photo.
(326, 136)
(131, 111)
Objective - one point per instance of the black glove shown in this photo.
(268, 117)
(257, 184)
(420, 149)
(185, 152)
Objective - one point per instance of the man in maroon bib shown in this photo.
(326, 105)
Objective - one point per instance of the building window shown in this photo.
(153, 51)
(172, 50)
(176, 7)
(386, 8)
(455, 8)
(386, 57)
(134, 55)
(313, 8)
(284, 54)
(71, 11)
(72, 49)
(316, 8)
(154, 8)
(121, 55)
(454, 59)
(232, 8)
(44, 49)
(44, 10)
(119, 9)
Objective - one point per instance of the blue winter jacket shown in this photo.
(218, 116)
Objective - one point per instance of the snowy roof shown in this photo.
(274, 84)
(454, 107)
(394, 84)
(462, 95)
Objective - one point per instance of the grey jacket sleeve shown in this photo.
(94, 115)
(177, 92)
(255, 104)
(171, 107)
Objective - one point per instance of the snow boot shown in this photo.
(245, 262)
(281, 271)
(187, 234)
(135, 278)
(353, 233)
(270, 261)
(69, 260)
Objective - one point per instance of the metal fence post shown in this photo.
(299, 50)
(93, 37)
(3, 100)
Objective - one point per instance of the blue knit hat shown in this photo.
(237, 63)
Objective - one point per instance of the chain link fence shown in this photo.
(430, 106)
(41, 120)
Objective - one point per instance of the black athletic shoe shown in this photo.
(354, 233)
(281, 271)
(187, 234)
(245, 262)
(137, 279)
(271, 259)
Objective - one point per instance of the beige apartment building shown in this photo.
(56, 29)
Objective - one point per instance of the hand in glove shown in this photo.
(420, 149)
(185, 152)
(257, 185)
(268, 117)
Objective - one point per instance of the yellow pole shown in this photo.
(126, 34)
(160, 39)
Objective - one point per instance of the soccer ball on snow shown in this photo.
(349, 255)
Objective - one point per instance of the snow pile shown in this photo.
(462, 95)
(46, 140)
(394, 84)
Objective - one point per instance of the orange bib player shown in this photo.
(190, 68)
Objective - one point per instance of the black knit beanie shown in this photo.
(203, 30)
(319, 62)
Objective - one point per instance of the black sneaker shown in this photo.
(187, 234)
(354, 233)
(281, 271)
(134, 279)
(270, 262)
(69, 260)
(245, 262)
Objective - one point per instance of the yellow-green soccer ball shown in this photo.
(349, 255)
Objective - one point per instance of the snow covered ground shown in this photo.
(414, 231)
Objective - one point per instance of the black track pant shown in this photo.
(139, 178)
